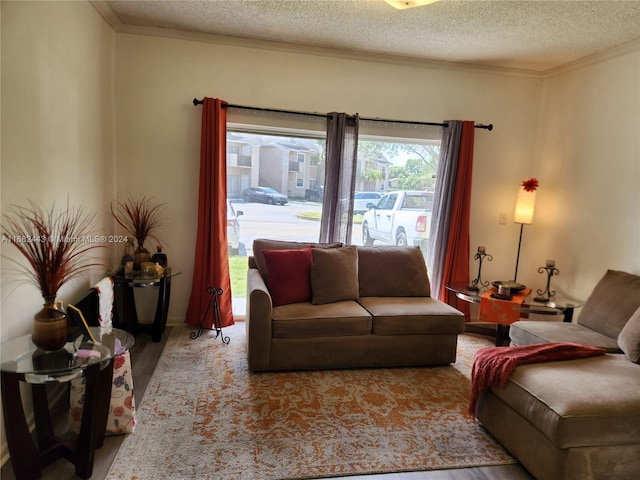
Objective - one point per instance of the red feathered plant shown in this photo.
(142, 218)
(55, 244)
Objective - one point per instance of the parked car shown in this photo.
(264, 195)
(233, 228)
(314, 194)
(399, 218)
(361, 199)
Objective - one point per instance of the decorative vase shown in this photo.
(49, 331)
(127, 257)
(141, 255)
(159, 257)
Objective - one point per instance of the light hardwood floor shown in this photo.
(144, 356)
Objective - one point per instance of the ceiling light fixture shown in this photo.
(404, 4)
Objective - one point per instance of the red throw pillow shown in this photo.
(289, 275)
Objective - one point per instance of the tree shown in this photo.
(371, 176)
(416, 175)
(420, 167)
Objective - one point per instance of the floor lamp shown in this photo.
(525, 205)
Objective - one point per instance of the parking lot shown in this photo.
(280, 222)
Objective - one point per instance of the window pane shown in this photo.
(275, 189)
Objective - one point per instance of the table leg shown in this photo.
(85, 449)
(125, 303)
(568, 315)
(157, 328)
(24, 454)
(162, 308)
(45, 435)
(502, 335)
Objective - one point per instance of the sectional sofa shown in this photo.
(320, 306)
(576, 419)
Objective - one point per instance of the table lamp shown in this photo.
(525, 205)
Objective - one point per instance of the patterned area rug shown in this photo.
(204, 416)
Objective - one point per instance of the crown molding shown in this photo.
(611, 53)
(322, 51)
(104, 9)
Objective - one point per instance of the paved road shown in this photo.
(280, 222)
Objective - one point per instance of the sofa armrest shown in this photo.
(258, 321)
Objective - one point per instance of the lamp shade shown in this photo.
(525, 204)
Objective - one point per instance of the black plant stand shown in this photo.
(217, 324)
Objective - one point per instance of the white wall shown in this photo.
(57, 129)
(588, 161)
(158, 128)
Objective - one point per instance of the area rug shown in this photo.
(204, 416)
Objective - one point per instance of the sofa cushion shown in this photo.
(629, 338)
(577, 403)
(412, 315)
(260, 244)
(529, 332)
(611, 303)
(392, 272)
(304, 320)
(334, 275)
(288, 275)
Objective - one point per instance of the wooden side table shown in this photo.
(22, 361)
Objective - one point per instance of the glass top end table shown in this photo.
(20, 356)
(22, 362)
(124, 299)
(557, 305)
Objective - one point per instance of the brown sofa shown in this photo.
(577, 419)
(320, 306)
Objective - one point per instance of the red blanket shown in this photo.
(493, 366)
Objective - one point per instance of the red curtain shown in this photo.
(456, 262)
(211, 263)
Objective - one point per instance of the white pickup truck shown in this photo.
(399, 218)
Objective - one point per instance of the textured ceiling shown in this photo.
(524, 34)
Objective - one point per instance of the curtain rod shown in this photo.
(197, 102)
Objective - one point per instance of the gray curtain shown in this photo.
(443, 202)
(340, 178)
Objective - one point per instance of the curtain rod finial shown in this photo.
(197, 102)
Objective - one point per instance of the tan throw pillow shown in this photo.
(392, 272)
(611, 303)
(334, 275)
(629, 338)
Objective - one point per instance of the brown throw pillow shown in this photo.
(629, 338)
(334, 275)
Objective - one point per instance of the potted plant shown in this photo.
(141, 218)
(55, 245)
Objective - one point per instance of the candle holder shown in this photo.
(477, 283)
(545, 295)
